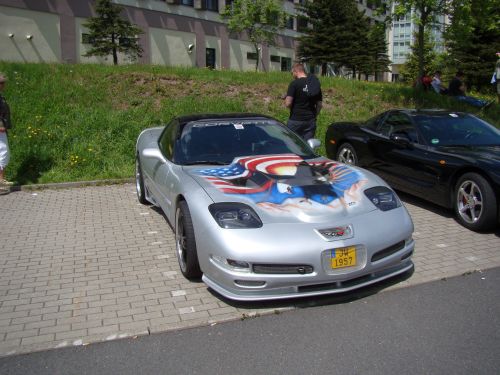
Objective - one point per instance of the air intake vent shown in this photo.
(388, 251)
(282, 269)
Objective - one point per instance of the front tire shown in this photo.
(347, 155)
(185, 243)
(475, 202)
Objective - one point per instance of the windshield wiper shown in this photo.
(209, 162)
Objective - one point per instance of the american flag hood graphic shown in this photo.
(282, 181)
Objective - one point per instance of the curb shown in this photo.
(69, 185)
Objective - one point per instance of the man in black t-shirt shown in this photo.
(456, 89)
(303, 108)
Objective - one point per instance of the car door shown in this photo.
(399, 156)
(161, 170)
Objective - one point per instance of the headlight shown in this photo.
(234, 215)
(383, 198)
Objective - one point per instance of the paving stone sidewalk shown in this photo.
(91, 264)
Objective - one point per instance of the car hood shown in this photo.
(286, 188)
(489, 154)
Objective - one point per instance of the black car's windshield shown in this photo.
(456, 129)
(219, 142)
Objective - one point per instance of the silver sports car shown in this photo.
(259, 216)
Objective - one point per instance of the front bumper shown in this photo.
(383, 244)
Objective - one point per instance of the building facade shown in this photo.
(175, 33)
(402, 36)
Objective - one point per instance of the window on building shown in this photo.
(301, 24)
(189, 3)
(289, 22)
(286, 64)
(211, 5)
(251, 56)
(124, 42)
(210, 58)
(275, 58)
(86, 39)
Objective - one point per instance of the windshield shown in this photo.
(219, 142)
(456, 129)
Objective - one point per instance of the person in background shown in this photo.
(497, 72)
(437, 85)
(304, 108)
(5, 124)
(456, 89)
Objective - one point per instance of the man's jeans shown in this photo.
(472, 101)
(305, 129)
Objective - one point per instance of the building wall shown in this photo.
(168, 30)
(170, 47)
(16, 25)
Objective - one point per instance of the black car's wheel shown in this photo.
(475, 202)
(185, 243)
(139, 182)
(347, 155)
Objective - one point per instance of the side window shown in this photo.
(167, 139)
(398, 123)
(374, 121)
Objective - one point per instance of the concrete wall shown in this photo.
(238, 55)
(170, 47)
(168, 30)
(44, 46)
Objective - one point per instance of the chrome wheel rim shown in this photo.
(346, 156)
(469, 202)
(138, 178)
(180, 240)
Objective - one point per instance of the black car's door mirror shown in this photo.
(401, 139)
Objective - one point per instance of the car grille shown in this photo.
(388, 251)
(282, 269)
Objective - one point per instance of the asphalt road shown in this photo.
(451, 326)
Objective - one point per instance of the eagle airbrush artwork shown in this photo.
(284, 182)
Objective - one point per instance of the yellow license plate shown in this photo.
(343, 257)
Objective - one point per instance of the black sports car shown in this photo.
(449, 158)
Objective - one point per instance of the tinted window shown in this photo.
(222, 141)
(457, 130)
(399, 123)
(374, 121)
(167, 139)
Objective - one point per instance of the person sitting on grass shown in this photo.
(437, 85)
(456, 89)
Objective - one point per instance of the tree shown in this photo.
(337, 34)
(426, 13)
(411, 69)
(109, 33)
(377, 48)
(260, 19)
(473, 38)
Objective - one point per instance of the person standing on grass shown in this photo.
(4, 125)
(304, 98)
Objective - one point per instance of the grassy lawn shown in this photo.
(80, 122)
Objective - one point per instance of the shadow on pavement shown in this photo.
(438, 210)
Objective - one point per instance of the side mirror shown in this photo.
(401, 139)
(153, 153)
(314, 143)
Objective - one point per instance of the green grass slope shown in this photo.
(80, 122)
